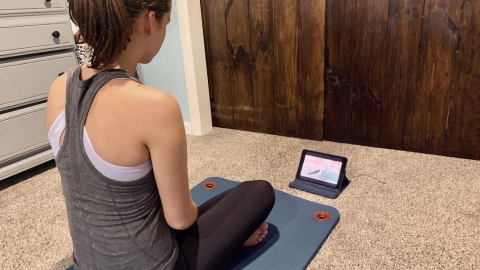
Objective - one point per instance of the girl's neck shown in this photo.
(125, 61)
(130, 68)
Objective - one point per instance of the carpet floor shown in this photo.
(402, 210)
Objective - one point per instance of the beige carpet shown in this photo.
(402, 210)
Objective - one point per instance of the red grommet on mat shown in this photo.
(209, 185)
(321, 216)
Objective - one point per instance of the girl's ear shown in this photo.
(144, 22)
(152, 20)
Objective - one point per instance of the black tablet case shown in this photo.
(318, 189)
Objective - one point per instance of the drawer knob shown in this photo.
(56, 34)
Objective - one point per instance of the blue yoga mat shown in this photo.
(294, 235)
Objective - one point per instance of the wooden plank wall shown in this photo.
(462, 138)
(265, 63)
(404, 74)
(399, 74)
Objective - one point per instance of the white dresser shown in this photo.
(36, 46)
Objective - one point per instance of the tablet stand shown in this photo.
(319, 189)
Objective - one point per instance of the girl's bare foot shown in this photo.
(257, 236)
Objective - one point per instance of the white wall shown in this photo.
(193, 49)
(166, 71)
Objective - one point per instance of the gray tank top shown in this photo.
(113, 225)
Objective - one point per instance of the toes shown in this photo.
(261, 238)
(259, 234)
(264, 226)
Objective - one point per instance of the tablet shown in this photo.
(320, 168)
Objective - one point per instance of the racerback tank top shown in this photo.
(113, 224)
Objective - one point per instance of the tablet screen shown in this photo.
(321, 169)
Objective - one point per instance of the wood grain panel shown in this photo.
(285, 55)
(463, 122)
(238, 33)
(402, 72)
(219, 62)
(311, 66)
(439, 42)
(263, 83)
(265, 66)
(369, 71)
(340, 20)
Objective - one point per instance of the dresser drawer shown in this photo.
(29, 80)
(31, 6)
(22, 132)
(36, 34)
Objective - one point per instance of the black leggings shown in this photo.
(224, 223)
